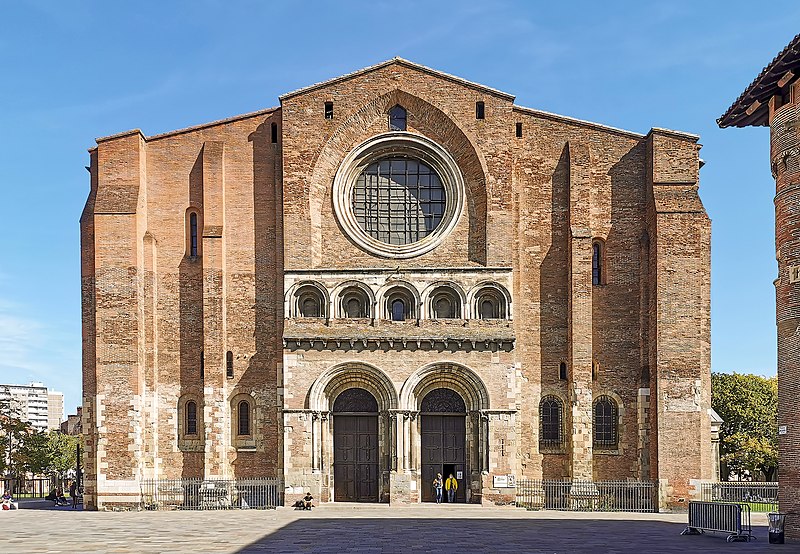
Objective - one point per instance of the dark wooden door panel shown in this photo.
(443, 444)
(355, 458)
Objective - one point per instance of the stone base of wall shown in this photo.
(404, 488)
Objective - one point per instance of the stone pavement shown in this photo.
(363, 528)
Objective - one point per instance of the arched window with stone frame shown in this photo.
(354, 303)
(309, 302)
(551, 422)
(400, 304)
(243, 418)
(490, 303)
(444, 303)
(190, 423)
(605, 424)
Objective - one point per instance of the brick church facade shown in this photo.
(395, 273)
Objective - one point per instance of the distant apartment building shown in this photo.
(43, 409)
(55, 409)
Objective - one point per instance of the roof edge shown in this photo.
(677, 134)
(403, 62)
(186, 129)
(120, 135)
(214, 123)
(576, 121)
(761, 87)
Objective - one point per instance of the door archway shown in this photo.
(355, 446)
(443, 434)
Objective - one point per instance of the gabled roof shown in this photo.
(406, 63)
(752, 106)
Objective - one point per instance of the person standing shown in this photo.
(73, 493)
(437, 487)
(451, 485)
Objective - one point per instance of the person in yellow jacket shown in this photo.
(451, 486)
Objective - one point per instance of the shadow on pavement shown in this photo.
(42, 504)
(334, 535)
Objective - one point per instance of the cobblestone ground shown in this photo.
(375, 528)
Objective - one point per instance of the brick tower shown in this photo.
(774, 99)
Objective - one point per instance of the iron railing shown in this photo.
(209, 494)
(587, 496)
(29, 488)
(760, 496)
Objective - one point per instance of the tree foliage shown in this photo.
(748, 404)
(25, 450)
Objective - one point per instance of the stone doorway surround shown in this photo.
(399, 426)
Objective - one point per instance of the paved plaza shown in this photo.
(362, 528)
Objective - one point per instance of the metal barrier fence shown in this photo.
(209, 494)
(722, 517)
(587, 496)
(759, 496)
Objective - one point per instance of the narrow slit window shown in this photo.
(597, 264)
(193, 234)
(202, 364)
(191, 418)
(229, 364)
(480, 110)
(562, 371)
(274, 133)
(244, 418)
(519, 130)
(328, 110)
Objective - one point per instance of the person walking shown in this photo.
(73, 493)
(451, 485)
(437, 487)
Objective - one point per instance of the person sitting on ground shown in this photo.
(306, 502)
(7, 502)
(57, 496)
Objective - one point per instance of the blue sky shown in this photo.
(74, 71)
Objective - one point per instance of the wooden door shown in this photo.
(443, 450)
(355, 458)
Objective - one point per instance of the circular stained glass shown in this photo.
(398, 200)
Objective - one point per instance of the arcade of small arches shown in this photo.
(398, 301)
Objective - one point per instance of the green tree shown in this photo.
(33, 454)
(748, 404)
(12, 432)
(64, 453)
